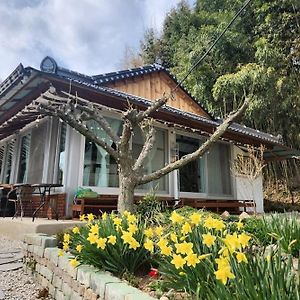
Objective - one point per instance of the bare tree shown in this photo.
(75, 111)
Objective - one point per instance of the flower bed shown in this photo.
(194, 252)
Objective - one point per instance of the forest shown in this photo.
(259, 57)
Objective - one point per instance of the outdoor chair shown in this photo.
(20, 196)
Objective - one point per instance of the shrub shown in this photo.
(150, 206)
(112, 243)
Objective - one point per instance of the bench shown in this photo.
(220, 204)
(100, 203)
(110, 202)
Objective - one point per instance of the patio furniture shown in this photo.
(20, 194)
(44, 190)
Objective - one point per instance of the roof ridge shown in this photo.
(12, 77)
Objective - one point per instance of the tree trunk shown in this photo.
(126, 195)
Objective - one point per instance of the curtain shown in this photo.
(24, 158)
(103, 175)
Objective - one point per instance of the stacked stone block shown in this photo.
(64, 282)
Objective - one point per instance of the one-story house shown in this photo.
(36, 148)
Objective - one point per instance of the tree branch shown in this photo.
(147, 147)
(91, 110)
(67, 118)
(152, 108)
(221, 129)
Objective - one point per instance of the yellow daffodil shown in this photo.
(162, 243)
(222, 262)
(82, 217)
(148, 232)
(195, 218)
(209, 223)
(104, 216)
(60, 252)
(65, 246)
(127, 237)
(241, 257)
(239, 225)
(76, 230)
(148, 245)
(186, 228)
(191, 260)
(66, 238)
(92, 238)
(203, 256)
(219, 224)
(159, 230)
(182, 273)
(134, 244)
(79, 248)
(132, 228)
(90, 217)
(166, 250)
(112, 239)
(244, 239)
(178, 261)
(232, 242)
(94, 229)
(208, 239)
(101, 243)
(131, 218)
(74, 263)
(176, 218)
(173, 237)
(184, 248)
(117, 221)
(224, 251)
(224, 274)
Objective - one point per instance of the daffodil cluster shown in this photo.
(197, 237)
(110, 242)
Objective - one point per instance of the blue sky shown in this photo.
(88, 36)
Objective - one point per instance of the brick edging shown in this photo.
(67, 283)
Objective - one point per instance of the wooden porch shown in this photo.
(108, 203)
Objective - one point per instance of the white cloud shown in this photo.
(88, 36)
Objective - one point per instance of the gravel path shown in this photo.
(16, 285)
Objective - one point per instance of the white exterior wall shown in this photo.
(247, 189)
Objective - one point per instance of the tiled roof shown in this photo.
(125, 74)
(94, 82)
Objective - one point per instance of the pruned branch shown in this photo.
(149, 131)
(221, 129)
(92, 111)
(73, 122)
(152, 108)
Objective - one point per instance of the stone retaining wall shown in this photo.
(64, 282)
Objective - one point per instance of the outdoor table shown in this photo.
(44, 191)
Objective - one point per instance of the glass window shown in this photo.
(100, 169)
(37, 151)
(156, 158)
(218, 166)
(8, 161)
(24, 158)
(191, 176)
(61, 153)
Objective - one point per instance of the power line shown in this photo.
(247, 2)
